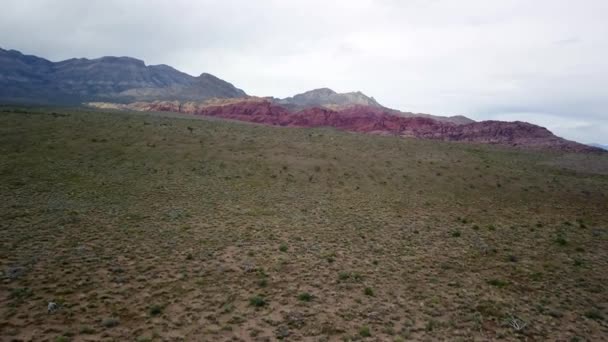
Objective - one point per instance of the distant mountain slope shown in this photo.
(327, 98)
(369, 119)
(32, 79)
(603, 147)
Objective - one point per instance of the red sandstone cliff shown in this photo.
(375, 120)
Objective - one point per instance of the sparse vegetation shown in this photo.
(183, 233)
(365, 332)
(305, 297)
(560, 240)
(110, 322)
(257, 301)
(594, 314)
(156, 310)
(497, 282)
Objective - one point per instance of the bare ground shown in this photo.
(154, 228)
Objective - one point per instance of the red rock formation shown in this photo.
(375, 120)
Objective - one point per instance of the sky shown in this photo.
(541, 61)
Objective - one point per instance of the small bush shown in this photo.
(343, 275)
(257, 301)
(594, 314)
(283, 248)
(305, 297)
(156, 310)
(110, 322)
(561, 241)
(20, 293)
(456, 233)
(365, 332)
(368, 291)
(497, 282)
(87, 330)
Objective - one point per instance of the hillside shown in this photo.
(161, 226)
(368, 119)
(603, 147)
(328, 99)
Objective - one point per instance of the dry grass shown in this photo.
(151, 227)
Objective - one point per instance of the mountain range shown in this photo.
(31, 79)
(128, 83)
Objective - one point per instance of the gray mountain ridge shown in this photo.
(121, 80)
(31, 79)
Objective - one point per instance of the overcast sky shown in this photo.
(542, 61)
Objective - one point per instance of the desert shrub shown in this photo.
(305, 297)
(365, 332)
(263, 283)
(594, 314)
(110, 322)
(343, 275)
(257, 301)
(497, 282)
(156, 310)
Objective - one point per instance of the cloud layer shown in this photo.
(542, 61)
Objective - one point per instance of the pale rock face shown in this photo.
(327, 98)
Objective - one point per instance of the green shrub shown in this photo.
(257, 301)
(156, 310)
(365, 332)
(497, 282)
(305, 297)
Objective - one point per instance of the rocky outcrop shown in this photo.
(329, 99)
(373, 120)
